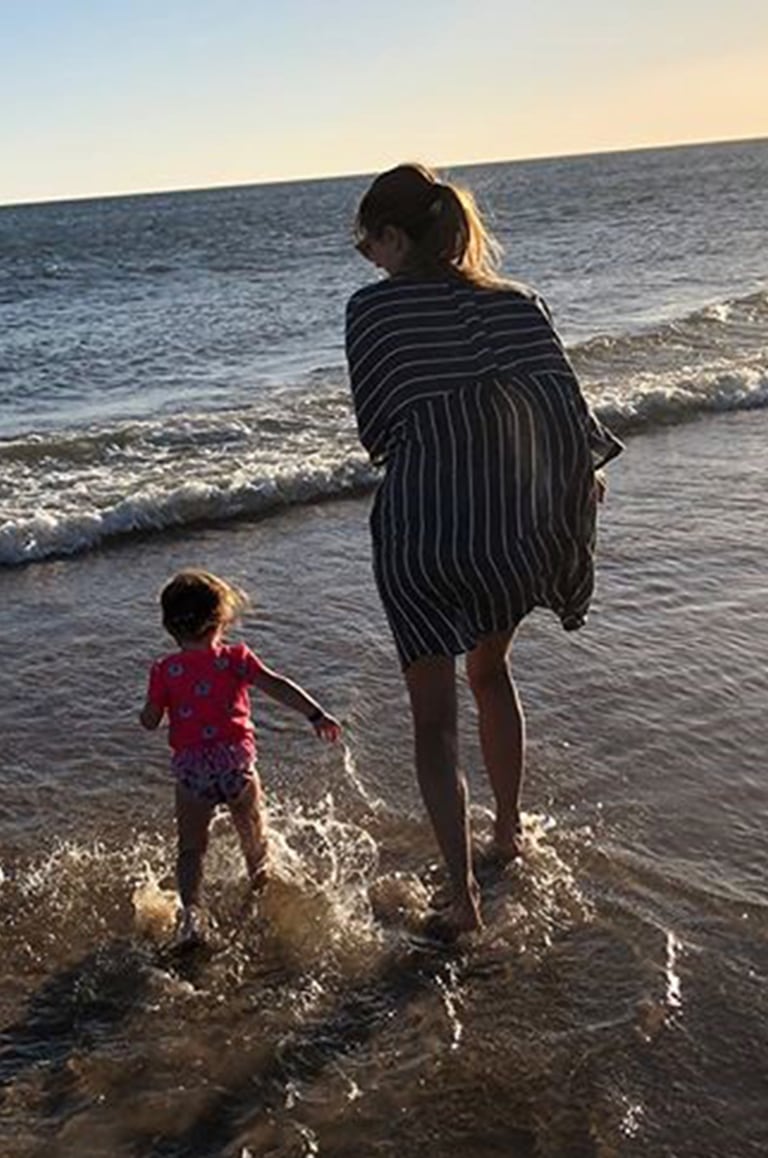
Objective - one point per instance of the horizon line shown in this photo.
(79, 197)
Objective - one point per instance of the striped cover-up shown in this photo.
(487, 506)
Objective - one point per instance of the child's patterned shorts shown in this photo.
(218, 773)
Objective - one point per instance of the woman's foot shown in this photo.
(456, 916)
(465, 913)
(508, 841)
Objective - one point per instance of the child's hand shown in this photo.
(326, 727)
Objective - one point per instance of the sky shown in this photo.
(117, 96)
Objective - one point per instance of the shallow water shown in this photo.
(615, 1003)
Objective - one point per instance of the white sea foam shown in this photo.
(66, 491)
(44, 533)
(646, 401)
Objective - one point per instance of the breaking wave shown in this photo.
(67, 491)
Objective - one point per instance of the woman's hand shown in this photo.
(601, 486)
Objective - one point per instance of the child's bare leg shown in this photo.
(247, 812)
(193, 818)
(502, 734)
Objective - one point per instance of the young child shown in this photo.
(203, 690)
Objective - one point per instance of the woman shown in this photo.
(463, 392)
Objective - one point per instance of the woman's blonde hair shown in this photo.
(193, 602)
(441, 220)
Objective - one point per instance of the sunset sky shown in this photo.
(108, 96)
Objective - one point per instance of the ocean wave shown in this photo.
(731, 324)
(633, 400)
(47, 534)
(714, 359)
(653, 403)
(66, 491)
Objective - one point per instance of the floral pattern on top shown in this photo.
(205, 696)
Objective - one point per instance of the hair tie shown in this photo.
(436, 206)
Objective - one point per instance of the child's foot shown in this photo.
(190, 929)
(258, 870)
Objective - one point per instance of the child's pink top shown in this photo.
(205, 694)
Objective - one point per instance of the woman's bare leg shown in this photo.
(432, 687)
(502, 734)
(193, 818)
(247, 811)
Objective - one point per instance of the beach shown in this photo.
(615, 1002)
(175, 395)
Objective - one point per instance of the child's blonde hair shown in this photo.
(441, 220)
(194, 602)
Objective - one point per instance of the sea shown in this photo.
(173, 393)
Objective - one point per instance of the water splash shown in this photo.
(450, 991)
(316, 904)
(374, 803)
(400, 899)
(653, 1013)
(311, 1146)
(546, 898)
(674, 992)
(154, 908)
(314, 911)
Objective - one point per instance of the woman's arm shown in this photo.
(603, 444)
(370, 407)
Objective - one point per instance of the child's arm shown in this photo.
(286, 692)
(156, 699)
(150, 716)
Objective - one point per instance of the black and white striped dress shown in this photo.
(486, 508)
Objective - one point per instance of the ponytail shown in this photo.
(441, 220)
